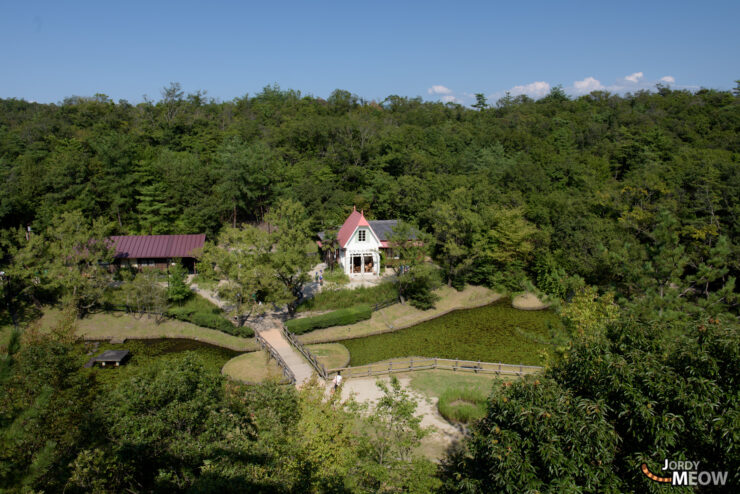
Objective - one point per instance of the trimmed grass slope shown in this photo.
(104, 326)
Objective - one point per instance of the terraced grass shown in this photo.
(494, 333)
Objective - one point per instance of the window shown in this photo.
(361, 236)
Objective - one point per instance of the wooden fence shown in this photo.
(414, 364)
(274, 354)
(318, 366)
(383, 305)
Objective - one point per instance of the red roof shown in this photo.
(157, 246)
(350, 225)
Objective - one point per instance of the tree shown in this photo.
(390, 435)
(637, 392)
(245, 173)
(480, 102)
(293, 251)
(415, 279)
(238, 259)
(178, 291)
(79, 254)
(454, 224)
(145, 294)
(45, 410)
(503, 248)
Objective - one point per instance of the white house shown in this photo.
(361, 242)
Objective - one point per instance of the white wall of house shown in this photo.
(362, 249)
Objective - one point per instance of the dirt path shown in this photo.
(365, 390)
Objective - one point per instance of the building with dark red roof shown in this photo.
(157, 251)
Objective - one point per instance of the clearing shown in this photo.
(425, 388)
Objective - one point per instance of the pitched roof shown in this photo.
(383, 228)
(350, 225)
(157, 246)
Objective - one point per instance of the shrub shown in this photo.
(336, 318)
(463, 405)
(201, 312)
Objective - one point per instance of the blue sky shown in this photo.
(436, 50)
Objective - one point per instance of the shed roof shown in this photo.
(157, 246)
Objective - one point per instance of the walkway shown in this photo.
(301, 369)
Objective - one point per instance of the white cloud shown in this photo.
(448, 98)
(438, 89)
(587, 85)
(634, 77)
(536, 89)
(669, 79)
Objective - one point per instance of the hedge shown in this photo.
(209, 320)
(336, 318)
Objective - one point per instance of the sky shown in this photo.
(437, 50)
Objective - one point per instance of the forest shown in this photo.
(623, 209)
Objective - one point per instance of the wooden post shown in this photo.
(411, 363)
(476, 370)
(455, 368)
(390, 367)
(435, 362)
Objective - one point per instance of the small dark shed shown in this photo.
(110, 357)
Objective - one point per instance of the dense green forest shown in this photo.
(593, 186)
(625, 210)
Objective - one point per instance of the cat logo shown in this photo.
(685, 473)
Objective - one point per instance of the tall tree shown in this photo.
(294, 252)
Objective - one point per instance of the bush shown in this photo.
(201, 312)
(463, 405)
(336, 318)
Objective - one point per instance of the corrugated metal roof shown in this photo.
(157, 246)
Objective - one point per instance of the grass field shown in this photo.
(342, 299)
(105, 326)
(332, 355)
(404, 315)
(433, 383)
(494, 333)
(253, 367)
(144, 352)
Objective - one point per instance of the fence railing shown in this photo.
(274, 354)
(318, 366)
(415, 364)
(383, 305)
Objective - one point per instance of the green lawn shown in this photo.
(332, 355)
(342, 299)
(253, 367)
(105, 326)
(144, 352)
(434, 383)
(494, 333)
